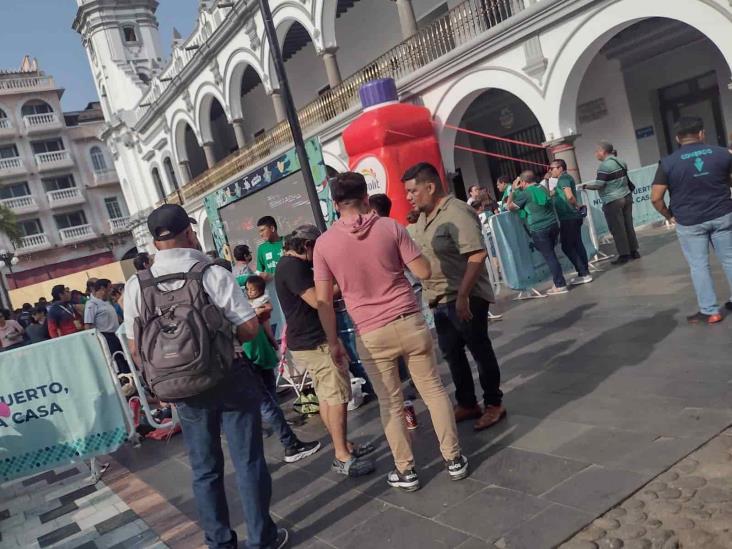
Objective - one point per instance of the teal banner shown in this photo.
(59, 403)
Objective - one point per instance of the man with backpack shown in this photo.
(180, 317)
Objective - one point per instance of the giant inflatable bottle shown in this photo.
(387, 139)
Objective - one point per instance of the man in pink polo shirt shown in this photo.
(366, 255)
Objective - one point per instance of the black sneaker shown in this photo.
(728, 305)
(635, 255)
(621, 260)
(283, 537)
(407, 481)
(457, 468)
(301, 450)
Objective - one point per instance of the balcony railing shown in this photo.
(11, 165)
(119, 224)
(462, 24)
(5, 125)
(55, 159)
(43, 121)
(32, 242)
(28, 83)
(64, 197)
(21, 204)
(105, 177)
(76, 234)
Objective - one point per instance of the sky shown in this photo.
(42, 29)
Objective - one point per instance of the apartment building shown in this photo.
(563, 74)
(58, 177)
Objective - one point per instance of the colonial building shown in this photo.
(559, 73)
(59, 179)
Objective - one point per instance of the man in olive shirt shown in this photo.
(459, 291)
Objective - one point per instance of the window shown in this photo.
(8, 151)
(29, 227)
(51, 145)
(97, 158)
(143, 77)
(59, 182)
(129, 33)
(113, 208)
(14, 191)
(158, 183)
(71, 219)
(35, 106)
(171, 173)
(2, 114)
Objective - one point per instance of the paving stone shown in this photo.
(635, 517)
(578, 544)
(142, 540)
(546, 529)
(610, 543)
(634, 504)
(59, 534)
(690, 483)
(618, 513)
(629, 531)
(607, 523)
(591, 533)
(670, 493)
(116, 522)
(77, 494)
(637, 544)
(58, 512)
(714, 494)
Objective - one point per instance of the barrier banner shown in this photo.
(59, 404)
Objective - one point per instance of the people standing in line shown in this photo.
(231, 404)
(542, 223)
(698, 177)
(38, 330)
(570, 221)
(613, 186)
(309, 346)
(12, 334)
(101, 315)
(388, 320)
(458, 291)
(63, 317)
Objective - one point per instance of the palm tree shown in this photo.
(9, 224)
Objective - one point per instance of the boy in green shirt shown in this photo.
(542, 223)
(270, 250)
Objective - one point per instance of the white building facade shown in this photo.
(58, 178)
(562, 73)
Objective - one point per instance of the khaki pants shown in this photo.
(379, 350)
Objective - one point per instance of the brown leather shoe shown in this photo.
(463, 413)
(491, 416)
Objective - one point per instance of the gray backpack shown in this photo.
(185, 342)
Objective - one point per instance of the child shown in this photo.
(261, 352)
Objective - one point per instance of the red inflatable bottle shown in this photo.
(387, 139)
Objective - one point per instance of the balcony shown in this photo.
(464, 23)
(21, 204)
(37, 123)
(119, 224)
(25, 84)
(77, 234)
(54, 160)
(6, 128)
(11, 166)
(65, 197)
(33, 243)
(105, 177)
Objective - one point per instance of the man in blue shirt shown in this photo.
(698, 177)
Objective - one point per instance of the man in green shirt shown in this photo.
(617, 201)
(542, 223)
(270, 250)
(570, 221)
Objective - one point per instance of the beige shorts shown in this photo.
(332, 385)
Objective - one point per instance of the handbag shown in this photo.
(631, 185)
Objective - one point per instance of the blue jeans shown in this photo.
(695, 241)
(545, 241)
(234, 406)
(271, 411)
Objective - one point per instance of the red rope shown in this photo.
(501, 156)
(495, 137)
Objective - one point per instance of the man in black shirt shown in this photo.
(698, 177)
(306, 340)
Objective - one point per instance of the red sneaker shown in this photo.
(700, 318)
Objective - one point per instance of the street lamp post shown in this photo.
(8, 259)
(279, 66)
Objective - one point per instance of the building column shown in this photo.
(407, 19)
(185, 171)
(238, 125)
(563, 149)
(208, 150)
(331, 68)
(279, 105)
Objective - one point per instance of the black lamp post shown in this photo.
(10, 260)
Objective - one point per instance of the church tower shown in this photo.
(123, 46)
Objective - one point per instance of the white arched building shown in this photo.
(565, 73)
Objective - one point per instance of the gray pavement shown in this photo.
(606, 388)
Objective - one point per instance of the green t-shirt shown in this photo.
(268, 255)
(565, 210)
(537, 203)
(611, 177)
(260, 351)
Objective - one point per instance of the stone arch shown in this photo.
(236, 64)
(156, 173)
(32, 99)
(204, 231)
(334, 161)
(178, 123)
(203, 100)
(564, 76)
(325, 16)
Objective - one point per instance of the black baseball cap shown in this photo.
(168, 221)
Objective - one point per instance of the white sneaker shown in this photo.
(580, 280)
(557, 291)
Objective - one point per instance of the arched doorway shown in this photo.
(193, 153)
(256, 105)
(305, 69)
(222, 133)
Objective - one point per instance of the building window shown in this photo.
(129, 34)
(50, 145)
(97, 158)
(8, 151)
(35, 106)
(113, 208)
(171, 173)
(29, 227)
(71, 219)
(143, 77)
(158, 183)
(14, 190)
(59, 182)
(2, 114)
